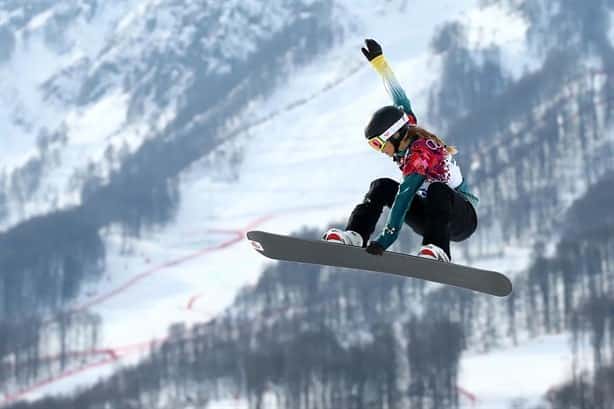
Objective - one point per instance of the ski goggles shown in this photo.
(378, 142)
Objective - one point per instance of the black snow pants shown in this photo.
(442, 216)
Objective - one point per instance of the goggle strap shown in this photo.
(395, 127)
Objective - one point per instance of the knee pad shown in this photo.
(382, 192)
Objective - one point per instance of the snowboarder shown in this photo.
(433, 197)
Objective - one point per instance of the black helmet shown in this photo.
(383, 120)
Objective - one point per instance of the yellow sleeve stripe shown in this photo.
(380, 64)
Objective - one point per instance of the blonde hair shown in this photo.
(423, 133)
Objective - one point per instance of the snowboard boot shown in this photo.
(433, 252)
(348, 237)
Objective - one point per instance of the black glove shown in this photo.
(372, 50)
(375, 248)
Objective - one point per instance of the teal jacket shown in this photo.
(412, 182)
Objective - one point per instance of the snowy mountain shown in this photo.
(117, 73)
(148, 136)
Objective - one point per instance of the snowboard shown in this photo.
(287, 248)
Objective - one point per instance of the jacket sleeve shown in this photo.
(392, 85)
(402, 202)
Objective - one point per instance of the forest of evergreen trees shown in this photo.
(34, 347)
(293, 336)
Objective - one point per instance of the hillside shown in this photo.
(157, 150)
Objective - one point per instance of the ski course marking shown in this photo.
(239, 236)
(193, 299)
(115, 354)
(112, 356)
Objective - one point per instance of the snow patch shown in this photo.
(40, 20)
(493, 25)
(524, 372)
(94, 124)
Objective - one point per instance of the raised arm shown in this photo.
(373, 52)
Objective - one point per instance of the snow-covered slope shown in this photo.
(53, 47)
(85, 83)
(325, 176)
(298, 157)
